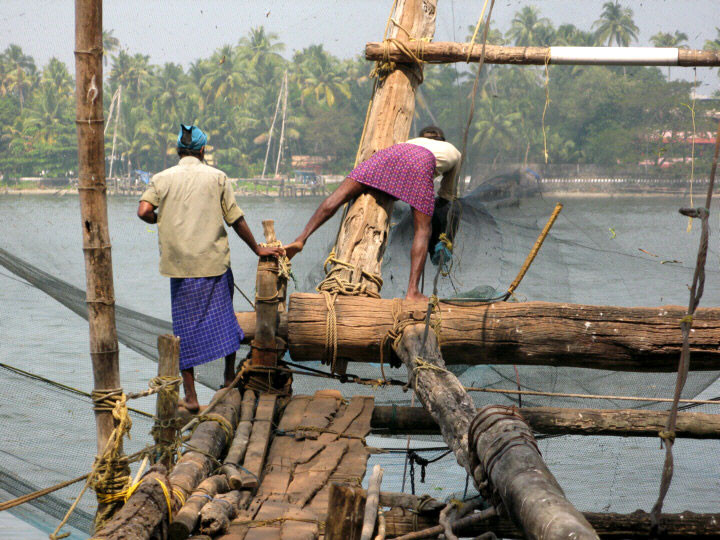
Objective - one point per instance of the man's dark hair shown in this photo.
(432, 132)
(182, 152)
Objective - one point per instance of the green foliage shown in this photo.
(606, 116)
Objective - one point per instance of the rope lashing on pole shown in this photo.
(696, 291)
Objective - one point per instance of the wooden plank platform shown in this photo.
(319, 440)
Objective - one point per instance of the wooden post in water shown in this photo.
(93, 209)
(167, 402)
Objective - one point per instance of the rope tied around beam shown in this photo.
(168, 388)
(516, 433)
(386, 66)
(226, 426)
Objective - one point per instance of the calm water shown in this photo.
(593, 256)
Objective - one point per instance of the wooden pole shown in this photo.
(93, 209)
(164, 432)
(527, 333)
(363, 233)
(264, 351)
(348, 507)
(390, 420)
(405, 521)
(371, 503)
(447, 52)
(501, 454)
(237, 450)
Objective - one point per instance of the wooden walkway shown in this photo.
(319, 439)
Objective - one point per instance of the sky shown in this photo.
(182, 31)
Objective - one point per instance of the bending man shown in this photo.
(404, 171)
(192, 200)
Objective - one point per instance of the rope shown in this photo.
(547, 103)
(168, 388)
(696, 292)
(226, 426)
(475, 33)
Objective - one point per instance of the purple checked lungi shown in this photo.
(404, 171)
(204, 318)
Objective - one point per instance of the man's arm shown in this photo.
(146, 212)
(244, 232)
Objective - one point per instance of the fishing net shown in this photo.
(605, 249)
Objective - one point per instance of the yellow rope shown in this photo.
(475, 33)
(226, 426)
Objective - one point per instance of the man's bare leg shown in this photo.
(191, 400)
(347, 191)
(229, 369)
(418, 253)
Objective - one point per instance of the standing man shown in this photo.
(189, 203)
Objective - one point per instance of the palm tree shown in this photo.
(496, 126)
(615, 24)
(320, 74)
(110, 44)
(20, 82)
(224, 78)
(713, 44)
(529, 29)
(495, 36)
(666, 39)
(260, 45)
(57, 76)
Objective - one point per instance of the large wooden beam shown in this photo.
(401, 521)
(446, 52)
(390, 420)
(529, 333)
(497, 450)
(364, 231)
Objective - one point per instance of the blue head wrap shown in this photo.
(191, 137)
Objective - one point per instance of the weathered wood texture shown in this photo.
(348, 505)
(371, 503)
(258, 443)
(237, 450)
(266, 305)
(216, 515)
(100, 296)
(247, 321)
(319, 440)
(554, 420)
(144, 513)
(529, 333)
(364, 231)
(185, 520)
(209, 439)
(504, 453)
(167, 403)
(445, 52)
(401, 521)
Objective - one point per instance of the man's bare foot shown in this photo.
(294, 248)
(191, 405)
(416, 297)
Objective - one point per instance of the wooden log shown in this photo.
(206, 445)
(446, 52)
(216, 515)
(266, 305)
(348, 508)
(167, 402)
(259, 442)
(528, 333)
(247, 321)
(100, 295)
(143, 513)
(364, 231)
(186, 519)
(503, 454)
(401, 521)
(390, 420)
(239, 445)
(371, 503)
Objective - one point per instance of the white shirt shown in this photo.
(447, 161)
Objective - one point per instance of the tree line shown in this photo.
(609, 116)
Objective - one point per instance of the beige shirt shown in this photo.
(192, 199)
(447, 161)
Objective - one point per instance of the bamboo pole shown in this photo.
(448, 52)
(557, 421)
(93, 210)
(264, 351)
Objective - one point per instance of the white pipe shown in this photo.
(615, 56)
